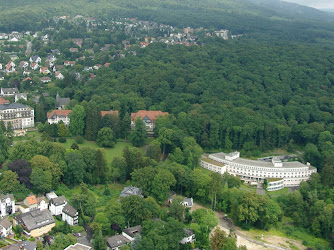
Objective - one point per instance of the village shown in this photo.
(36, 216)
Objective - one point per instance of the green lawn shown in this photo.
(110, 152)
(246, 187)
(283, 191)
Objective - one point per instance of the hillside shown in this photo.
(259, 18)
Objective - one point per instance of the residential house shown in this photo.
(148, 117)
(45, 79)
(7, 205)
(131, 232)
(55, 116)
(9, 91)
(55, 52)
(23, 65)
(20, 116)
(127, 191)
(77, 41)
(4, 101)
(16, 35)
(44, 70)
(74, 50)
(3, 36)
(222, 33)
(5, 227)
(61, 102)
(31, 203)
(36, 223)
(27, 72)
(10, 67)
(51, 58)
(78, 246)
(70, 215)
(116, 241)
(43, 203)
(22, 96)
(23, 245)
(69, 63)
(57, 204)
(59, 76)
(97, 66)
(51, 195)
(57, 68)
(189, 238)
(188, 202)
(13, 39)
(13, 57)
(35, 59)
(34, 66)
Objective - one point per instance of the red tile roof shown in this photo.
(58, 113)
(112, 112)
(152, 115)
(3, 101)
(31, 200)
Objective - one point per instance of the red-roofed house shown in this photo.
(111, 112)
(31, 202)
(56, 116)
(34, 66)
(59, 76)
(148, 117)
(44, 70)
(69, 63)
(4, 101)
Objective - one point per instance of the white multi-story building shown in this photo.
(20, 116)
(57, 204)
(279, 174)
(7, 204)
(70, 215)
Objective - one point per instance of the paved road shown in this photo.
(260, 189)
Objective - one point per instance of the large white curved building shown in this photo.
(279, 174)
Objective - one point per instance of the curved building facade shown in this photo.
(252, 171)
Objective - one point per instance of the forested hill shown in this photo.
(266, 19)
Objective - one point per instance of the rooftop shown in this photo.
(127, 191)
(58, 113)
(152, 115)
(58, 200)
(71, 211)
(78, 246)
(242, 161)
(31, 199)
(117, 241)
(35, 219)
(12, 106)
(133, 231)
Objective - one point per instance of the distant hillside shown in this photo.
(267, 18)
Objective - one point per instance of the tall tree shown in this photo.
(3, 146)
(9, 182)
(93, 121)
(139, 134)
(77, 120)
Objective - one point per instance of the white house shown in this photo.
(59, 76)
(7, 205)
(9, 91)
(70, 215)
(34, 66)
(57, 204)
(19, 96)
(188, 202)
(35, 59)
(5, 227)
(189, 238)
(55, 116)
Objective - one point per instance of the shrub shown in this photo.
(62, 139)
(79, 139)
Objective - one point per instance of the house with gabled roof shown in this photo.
(31, 203)
(70, 215)
(57, 204)
(5, 227)
(59, 76)
(35, 59)
(4, 101)
(55, 116)
(34, 66)
(7, 204)
(45, 79)
(44, 70)
(110, 112)
(148, 117)
(69, 63)
(36, 223)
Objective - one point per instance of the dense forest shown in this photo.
(273, 88)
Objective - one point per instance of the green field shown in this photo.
(283, 191)
(110, 152)
(247, 188)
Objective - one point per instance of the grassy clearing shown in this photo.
(248, 188)
(283, 191)
(110, 152)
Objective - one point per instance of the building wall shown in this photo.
(19, 118)
(275, 185)
(7, 204)
(69, 219)
(56, 210)
(292, 176)
(57, 120)
(43, 230)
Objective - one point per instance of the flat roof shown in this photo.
(242, 161)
